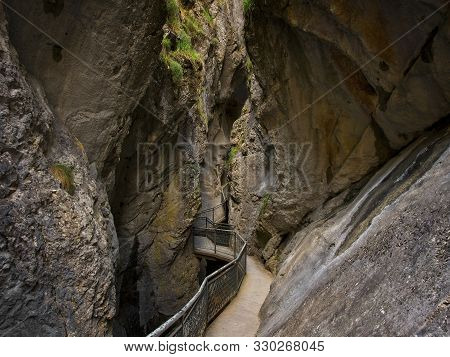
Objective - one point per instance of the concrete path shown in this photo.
(241, 317)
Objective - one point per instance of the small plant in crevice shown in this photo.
(166, 43)
(249, 65)
(232, 154)
(207, 15)
(248, 5)
(265, 203)
(64, 174)
(193, 26)
(175, 68)
(184, 49)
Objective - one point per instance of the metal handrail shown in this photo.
(169, 323)
(222, 226)
(223, 204)
(204, 213)
(193, 317)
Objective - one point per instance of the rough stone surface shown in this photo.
(99, 65)
(57, 250)
(378, 266)
(95, 60)
(249, 107)
(346, 84)
(186, 137)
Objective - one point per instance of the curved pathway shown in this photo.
(241, 317)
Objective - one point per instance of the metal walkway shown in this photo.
(213, 238)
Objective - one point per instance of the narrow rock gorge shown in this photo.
(324, 126)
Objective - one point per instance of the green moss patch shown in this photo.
(232, 154)
(265, 203)
(248, 5)
(178, 51)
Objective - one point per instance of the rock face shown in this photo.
(378, 266)
(57, 249)
(183, 137)
(126, 79)
(343, 86)
(338, 88)
(95, 61)
(148, 111)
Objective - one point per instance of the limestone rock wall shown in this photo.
(123, 78)
(148, 111)
(392, 56)
(378, 266)
(58, 245)
(95, 60)
(183, 129)
(357, 250)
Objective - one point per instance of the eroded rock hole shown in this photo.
(384, 66)
(57, 53)
(262, 237)
(54, 7)
(383, 98)
(236, 102)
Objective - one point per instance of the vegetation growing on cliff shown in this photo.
(248, 5)
(177, 44)
(265, 203)
(64, 174)
(232, 154)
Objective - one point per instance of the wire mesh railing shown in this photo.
(218, 288)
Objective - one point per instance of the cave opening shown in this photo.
(209, 266)
(235, 104)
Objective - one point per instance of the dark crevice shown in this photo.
(427, 50)
(129, 296)
(57, 53)
(426, 53)
(234, 105)
(383, 148)
(383, 98)
(262, 237)
(384, 66)
(54, 7)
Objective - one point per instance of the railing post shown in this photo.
(235, 245)
(215, 241)
(245, 260)
(207, 302)
(214, 221)
(237, 278)
(182, 325)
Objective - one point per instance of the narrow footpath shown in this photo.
(241, 317)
